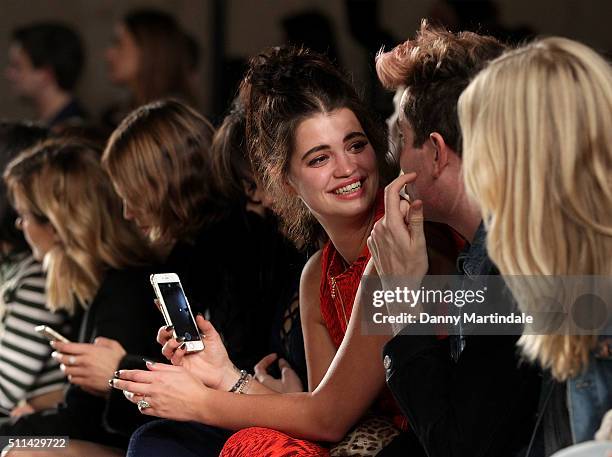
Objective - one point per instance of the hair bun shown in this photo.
(280, 69)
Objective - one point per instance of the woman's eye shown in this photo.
(358, 146)
(317, 161)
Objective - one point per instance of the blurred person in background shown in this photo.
(45, 62)
(27, 372)
(153, 58)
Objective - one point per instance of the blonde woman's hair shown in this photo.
(537, 142)
(160, 163)
(63, 184)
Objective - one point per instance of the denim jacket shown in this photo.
(589, 395)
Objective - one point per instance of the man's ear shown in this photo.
(441, 153)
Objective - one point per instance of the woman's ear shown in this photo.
(289, 185)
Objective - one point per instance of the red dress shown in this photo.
(338, 289)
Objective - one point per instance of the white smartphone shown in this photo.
(50, 334)
(176, 310)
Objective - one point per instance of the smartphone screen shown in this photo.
(178, 309)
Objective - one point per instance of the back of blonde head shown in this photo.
(537, 149)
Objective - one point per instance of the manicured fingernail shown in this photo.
(169, 328)
(52, 344)
(149, 363)
(54, 354)
(182, 345)
(118, 374)
(180, 339)
(110, 383)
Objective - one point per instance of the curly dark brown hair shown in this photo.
(282, 87)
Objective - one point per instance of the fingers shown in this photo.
(265, 362)
(165, 333)
(206, 327)
(71, 348)
(105, 342)
(170, 347)
(138, 376)
(156, 366)
(415, 221)
(75, 371)
(177, 357)
(392, 197)
(283, 364)
(68, 360)
(136, 388)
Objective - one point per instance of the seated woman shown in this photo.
(321, 155)
(283, 370)
(234, 178)
(95, 261)
(27, 372)
(537, 119)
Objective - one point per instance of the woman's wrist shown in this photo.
(230, 376)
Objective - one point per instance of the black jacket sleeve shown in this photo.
(483, 405)
(125, 312)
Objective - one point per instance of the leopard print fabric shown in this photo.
(367, 438)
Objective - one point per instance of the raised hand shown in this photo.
(211, 366)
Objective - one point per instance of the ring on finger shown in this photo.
(71, 360)
(143, 404)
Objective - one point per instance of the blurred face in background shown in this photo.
(123, 57)
(25, 79)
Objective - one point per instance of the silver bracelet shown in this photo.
(243, 386)
(240, 382)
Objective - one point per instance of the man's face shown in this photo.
(415, 159)
(26, 81)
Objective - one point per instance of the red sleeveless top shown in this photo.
(338, 290)
(339, 286)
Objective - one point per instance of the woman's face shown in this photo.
(40, 236)
(333, 166)
(123, 57)
(132, 212)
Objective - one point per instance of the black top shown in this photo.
(236, 272)
(482, 405)
(72, 113)
(123, 310)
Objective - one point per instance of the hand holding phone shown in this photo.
(176, 310)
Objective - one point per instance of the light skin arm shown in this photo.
(318, 346)
(351, 384)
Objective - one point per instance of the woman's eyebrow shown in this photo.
(352, 135)
(315, 149)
